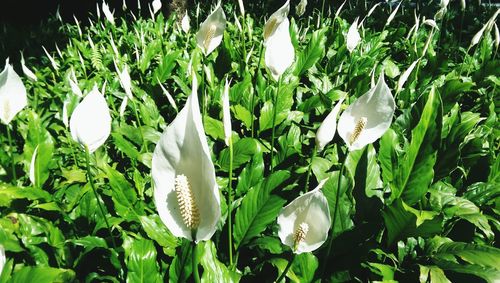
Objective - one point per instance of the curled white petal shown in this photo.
(3, 258)
(312, 209)
(404, 77)
(27, 72)
(226, 113)
(326, 130)
(280, 53)
(275, 20)
(12, 94)
(353, 37)
(372, 111)
(125, 81)
(432, 23)
(497, 36)
(393, 14)
(210, 34)
(90, 123)
(183, 150)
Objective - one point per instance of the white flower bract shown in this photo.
(326, 130)
(210, 34)
(353, 37)
(275, 20)
(183, 150)
(12, 94)
(304, 223)
(90, 123)
(280, 53)
(226, 114)
(368, 118)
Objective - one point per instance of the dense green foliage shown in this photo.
(421, 203)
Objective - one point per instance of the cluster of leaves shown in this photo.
(422, 202)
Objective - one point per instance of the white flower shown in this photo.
(242, 7)
(444, 3)
(27, 72)
(353, 37)
(107, 13)
(226, 114)
(304, 223)
(275, 20)
(393, 14)
(73, 84)
(326, 130)
(12, 94)
(185, 23)
(405, 75)
(185, 191)
(156, 6)
(280, 53)
(3, 259)
(367, 119)
(125, 81)
(210, 34)
(90, 123)
(462, 5)
(497, 36)
(300, 9)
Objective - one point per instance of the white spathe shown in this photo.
(27, 72)
(226, 114)
(210, 34)
(275, 20)
(90, 123)
(3, 258)
(353, 37)
(125, 81)
(156, 6)
(300, 9)
(107, 13)
(374, 110)
(310, 209)
(183, 150)
(280, 53)
(185, 23)
(326, 130)
(12, 94)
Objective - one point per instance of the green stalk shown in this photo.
(230, 203)
(196, 275)
(144, 144)
(92, 185)
(337, 197)
(275, 102)
(254, 82)
(282, 276)
(11, 151)
(315, 152)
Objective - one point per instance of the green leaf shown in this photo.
(181, 266)
(242, 114)
(284, 104)
(167, 64)
(403, 221)
(213, 269)
(141, 261)
(258, 209)
(313, 52)
(416, 172)
(156, 230)
(42, 274)
(123, 195)
(243, 150)
(363, 166)
(436, 274)
(251, 175)
(213, 128)
(387, 155)
(9, 193)
(343, 203)
(304, 266)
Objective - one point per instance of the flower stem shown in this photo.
(230, 203)
(139, 124)
(13, 163)
(285, 271)
(275, 102)
(254, 82)
(92, 185)
(315, 152)
(337, 196)
(196, 275)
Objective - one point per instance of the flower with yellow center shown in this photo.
(210, 34)
(185, 192)
(368, 118)
(305, 222)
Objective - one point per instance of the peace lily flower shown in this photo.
(3, 259)
(12, 94)
(226, 114)
(301, 7)
(211, 30)
(90, 123)
(280, 53)
(107, 13)
(367, 119)
(304, 223)
(185, 23)
(353, 37)
(185, 192)
(27, 72)
(275, 21)
(156, 6)
(326, 130)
